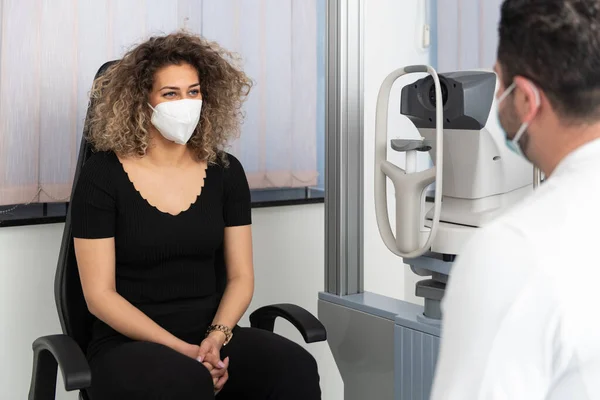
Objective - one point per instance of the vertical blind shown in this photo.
(467, 34)
(51, 49)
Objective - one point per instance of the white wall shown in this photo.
(28, 258)
(392, 40)
(289, 259)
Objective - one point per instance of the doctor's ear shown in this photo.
(528, 98)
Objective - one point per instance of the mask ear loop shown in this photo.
(504, 95)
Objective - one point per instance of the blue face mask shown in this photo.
(513, 144)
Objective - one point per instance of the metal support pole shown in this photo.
(344, 148)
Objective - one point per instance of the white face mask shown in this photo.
(177, 120)
(513, 143)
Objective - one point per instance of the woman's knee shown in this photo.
(149, 371)
(301, 358)
(272, 366)
(299, 363)
(194, 379)
(306, 363)
(300, 378)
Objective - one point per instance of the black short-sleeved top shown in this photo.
(165, 264)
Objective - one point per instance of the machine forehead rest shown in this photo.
(415, 68)
(403, 145)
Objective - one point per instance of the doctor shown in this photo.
(521, 314)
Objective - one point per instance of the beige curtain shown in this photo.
(51, 49)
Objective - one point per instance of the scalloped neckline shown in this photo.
(189, 207)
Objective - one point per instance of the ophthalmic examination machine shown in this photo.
(386, 348)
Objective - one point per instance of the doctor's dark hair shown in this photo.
(121, 117)
(555, 44)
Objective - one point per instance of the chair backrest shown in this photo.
(72, 309)
(74, 317)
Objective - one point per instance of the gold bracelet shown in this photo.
(221, 328)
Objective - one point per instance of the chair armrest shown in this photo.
(50, 352)
(310, 327)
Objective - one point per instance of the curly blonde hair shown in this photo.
(120, 116)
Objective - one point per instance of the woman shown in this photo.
(152, 210)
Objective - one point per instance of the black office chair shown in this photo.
(67, 350)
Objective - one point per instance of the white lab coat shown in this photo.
(522, 307)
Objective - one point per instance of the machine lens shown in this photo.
(432, 99)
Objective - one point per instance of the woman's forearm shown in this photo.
(235, 301)
(111, 308)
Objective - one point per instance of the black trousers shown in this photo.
(262, 366)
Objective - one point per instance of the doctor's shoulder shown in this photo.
(519, 236)
(546, 210)
(493, 247)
